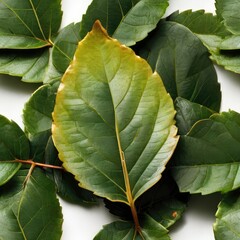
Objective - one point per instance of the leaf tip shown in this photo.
(97, 27)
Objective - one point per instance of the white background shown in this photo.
(82, 223)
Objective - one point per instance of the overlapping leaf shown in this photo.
(208, 27)
(126, 20)
(125, 230)
(228, 10)
(208, 154)
(188, 113)
(13, 145)
(109, 106)
(113, 120)
(28, 24)
(37, 118)
(183, 63)
(30, 211)
(227, 224)
(215, 32)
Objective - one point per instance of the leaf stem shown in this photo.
(31, 162)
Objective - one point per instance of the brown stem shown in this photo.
(35, 164)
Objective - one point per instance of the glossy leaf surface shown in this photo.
(208, 27)
(208, 154)
(13, 145)
(227, 224)
(37, 113)
(151, 230)
(188, 113)
(65, 46)
(113, 120)
(126, 20)
(183, 63)
(32, 22)
(29, 211)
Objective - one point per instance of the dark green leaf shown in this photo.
(65, 46)
(126, 20)
(228, 10)
(206, 26)
(31, 22)
(13, 145)
(38, 143)
(163, 202)
(117, 230)
(37, 113)
(189, 113)
(209, 153)
(227, 224)
(66, 186)
(30, 211)
(31, 65)
(183, 63)
(123, 230)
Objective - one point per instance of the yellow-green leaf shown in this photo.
(113, 120)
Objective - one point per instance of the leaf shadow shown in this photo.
(14, 84)
(200, 208)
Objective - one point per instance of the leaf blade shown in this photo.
(102, 108)
(211, 154)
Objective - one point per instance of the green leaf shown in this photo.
(113, 120)
(162, 202)
(30, 211)
(208, 27)
(126, 20)
(37, 112)
(209, 153)
(151, 230)
(28, 24)
(188, 113)
(183, 63)
(66, 186)
(227, 223)
(65, 46)
(230, 60)
(13, 145)
(228, 10)
(30, 65)
(117, 230)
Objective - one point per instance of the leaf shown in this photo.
(28, 24)
(29, 65)
(116, 231)
(228, 10)
(37, 112)
(65, 46)
(208, 154)
(183, 63)
(66, 186)
(126, 20)
(113, 121)
(188, 113)
(226, 225)
(92, 127)
(208, 27)
(230, 60)
(13, 145)
(32, 211)
(125, 231)
(162, 202)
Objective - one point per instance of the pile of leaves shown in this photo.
(128, 112)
